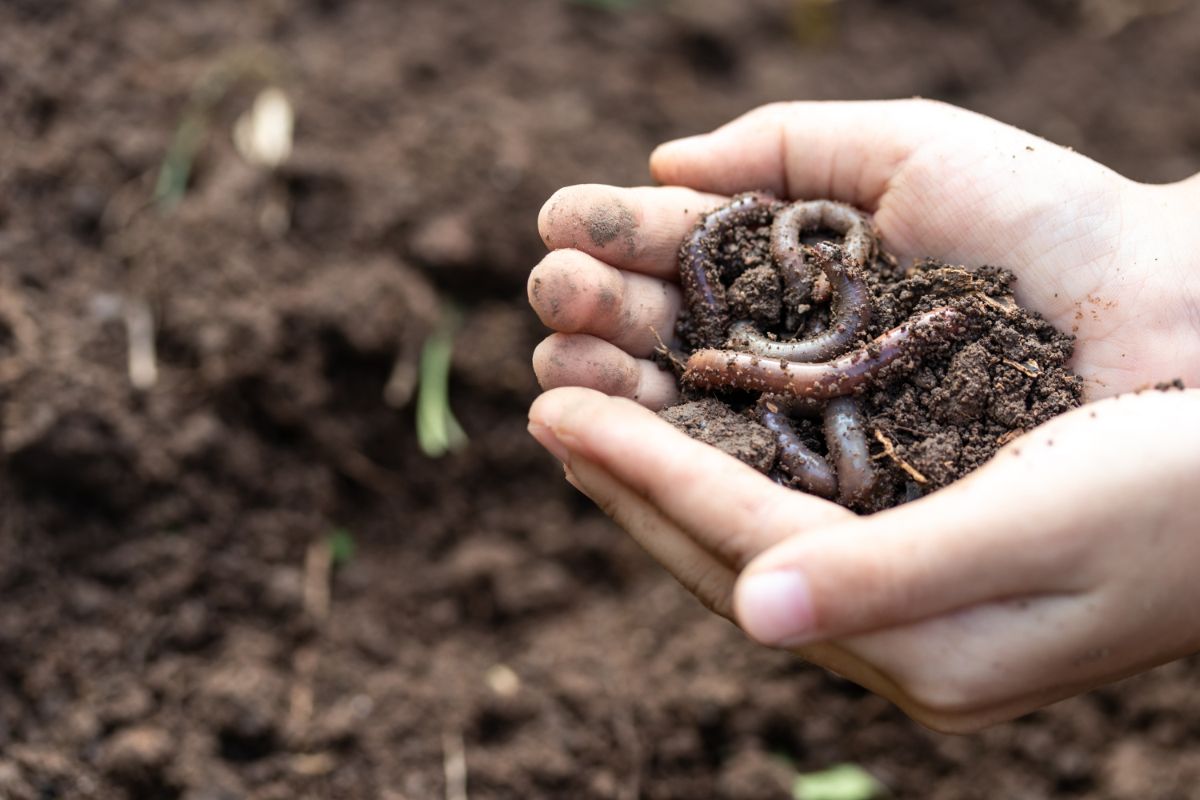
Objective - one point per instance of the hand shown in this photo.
(1062, 564)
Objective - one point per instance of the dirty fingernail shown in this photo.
(546, 438)
(776, 608)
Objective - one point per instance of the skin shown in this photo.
(1068, 561)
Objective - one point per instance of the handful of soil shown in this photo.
(813, 356)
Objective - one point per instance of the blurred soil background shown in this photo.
(227, 570)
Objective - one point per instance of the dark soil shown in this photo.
(172, 622)
(929, 418)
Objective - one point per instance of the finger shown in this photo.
(636, 229)
(573, 292)
(728, 508)
(697, 570)
(565, 359)
(844, 151)
(967, 543)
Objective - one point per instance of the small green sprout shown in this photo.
(438, 432)
(341, 546)
(841, 782)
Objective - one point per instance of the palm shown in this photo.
(1077, 262)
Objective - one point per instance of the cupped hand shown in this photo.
(1062, 564)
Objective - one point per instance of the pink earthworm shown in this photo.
(841, 376)
(788, 251)
(846, 436)
(852, 308)
(806, 468)
(701, 275)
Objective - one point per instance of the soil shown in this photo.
(174, 620)
(929, 418)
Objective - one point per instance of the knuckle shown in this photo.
(711, 586)
(769, 112)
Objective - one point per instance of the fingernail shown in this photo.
(546, 438)
(776, 608)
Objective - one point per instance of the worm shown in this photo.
(701, 278)
(713, 369)
(845, 433)
(806, 468)
(852, 309)
(789, 253)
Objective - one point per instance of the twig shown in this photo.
(1003, 308)
(889, 450)
(1008, 436)
(454, 765)
(1031, 369)
(318, 566)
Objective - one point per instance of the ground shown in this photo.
(173, 620)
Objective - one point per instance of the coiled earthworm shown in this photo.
(788, 251)
(846, 436)
(701, 277)
(852, 309)
(807, 469)
(825, 379)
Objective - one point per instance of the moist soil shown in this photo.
(174, 621)
(929, 418)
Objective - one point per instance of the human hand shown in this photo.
(960, 607)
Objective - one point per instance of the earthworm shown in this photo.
(846, 435)
(701, 279)
(852, 308)
(806, 468)
(712, 369)
(789, 253)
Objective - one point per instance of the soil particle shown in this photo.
(713, 422)
(756, 295)
(754, 775)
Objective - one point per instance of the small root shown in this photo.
(889, 450)
(674, 359)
